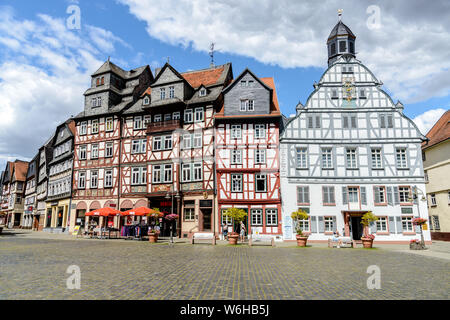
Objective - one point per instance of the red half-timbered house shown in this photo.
(247, 154)
(173, 169)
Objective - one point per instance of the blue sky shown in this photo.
(45, 69)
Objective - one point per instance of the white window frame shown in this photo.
(187, 141)
(171, 92)
(376, 158)
(146, 101)
(260, 131)
(188, 116)
(382, 224)
(236, 156)
(302, 157)
(256, 217)
(137, 123)
(407, 224)
(82, 180)
(157, 171)
(326, 158)
(328, 223)
(94, 151)
(108, 178)
(236, 131)
(95, 126)
(83, 128)
(197, 140)
(351, 158)
(260, 156)
(157, 118)
(401, 158)
(303, 194)
(433, 199)
(109, 146)
(199, 114)
(94, 178)
(82, 153)
(162, 93)
(109, 125)
(271, 217)
(236, 182)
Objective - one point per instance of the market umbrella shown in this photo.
(103, 212)
(141, 211)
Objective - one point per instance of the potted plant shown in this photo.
(297, 216)
(366, 220)
(237, 215)
(419, 222)
(153, 233)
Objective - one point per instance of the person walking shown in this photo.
(242, 233)
(224, 231)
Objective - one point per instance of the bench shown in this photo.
(200, 236)
(345, 242)
(263, 238)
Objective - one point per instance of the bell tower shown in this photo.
(341, 41)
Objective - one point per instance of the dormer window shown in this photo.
(146, 101)
(98, 82)
(342, 46)
(333, 49)
(202, 92)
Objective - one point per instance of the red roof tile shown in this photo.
(205, 77)
(20, 170)
(439, 132)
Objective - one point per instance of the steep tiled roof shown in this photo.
(340, 29)
(20, 170)
(207, 77)
(439, 132)
(274, 105)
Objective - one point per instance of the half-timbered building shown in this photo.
(60, 178)
(168, 147)
(349, 150)
(247, 154)
(30, 209)
(45, 156)
(96, 180)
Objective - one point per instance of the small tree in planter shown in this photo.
(297, 216)
(366, 220)
(152, 232)
(237, 215)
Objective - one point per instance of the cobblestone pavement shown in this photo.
(35, 268)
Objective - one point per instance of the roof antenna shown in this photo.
(109, 58)
(340, 14)
(211, 54)
(168, 60)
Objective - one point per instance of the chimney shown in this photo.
(157, 70)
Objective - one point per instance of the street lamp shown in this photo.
(415, 195)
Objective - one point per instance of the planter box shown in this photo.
(367, 243)
(153, 237)
(301, 241)
(233, 238)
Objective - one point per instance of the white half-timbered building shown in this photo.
(350, 150)
(247, 154)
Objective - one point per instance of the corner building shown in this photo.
(350, 150)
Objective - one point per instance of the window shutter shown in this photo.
(377, 195)
(334, 224)
(344, 195)
(390, 122)
(363, 196)
(310, 122)
(389, 195)
(373, 227)
(306, 194)
(299, 195)
(353, 121)
(399, 224)
(382, 122)
(396, 196)
(325, 195)
(331, 195)
(345, 122)
(313, 225)
(317, 121)
(391, 225)
(321, 225)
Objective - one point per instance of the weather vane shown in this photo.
(340, 14)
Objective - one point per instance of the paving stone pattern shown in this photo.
(36, 269)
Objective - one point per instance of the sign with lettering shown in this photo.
(76, 231)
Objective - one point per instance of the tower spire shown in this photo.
(211, 54)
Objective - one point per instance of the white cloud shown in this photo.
(44, 70)
(409, 53)
(426, 120)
